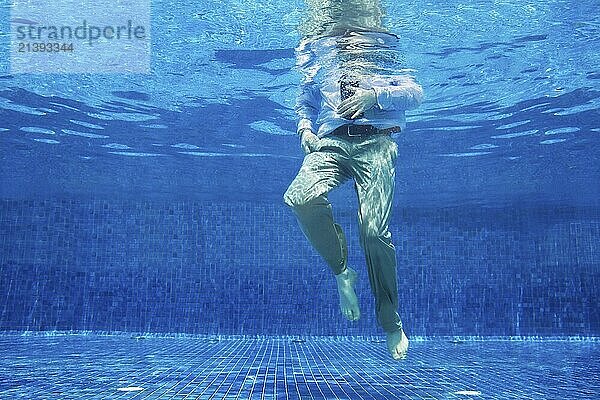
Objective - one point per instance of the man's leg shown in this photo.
(374, 173)
(322, 171)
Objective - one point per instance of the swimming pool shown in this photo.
(152, 203)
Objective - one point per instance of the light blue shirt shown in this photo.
(319, 62)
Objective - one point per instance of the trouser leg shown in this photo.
(317, 224)
(321, 171)
(374, 172)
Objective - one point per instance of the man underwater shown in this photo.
(351, 105)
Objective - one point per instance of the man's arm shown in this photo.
(307, 106)
(403, 94)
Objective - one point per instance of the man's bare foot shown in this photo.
(397, 344)
(348, 300)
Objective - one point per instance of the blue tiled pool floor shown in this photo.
(128, 367)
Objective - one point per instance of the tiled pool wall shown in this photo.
(246, 268)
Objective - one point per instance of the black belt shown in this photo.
(363, 130)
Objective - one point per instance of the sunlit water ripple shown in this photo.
(511, 111)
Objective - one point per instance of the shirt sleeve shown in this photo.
(307, 106)
(401, 94)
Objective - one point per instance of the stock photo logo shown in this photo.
(93, 37)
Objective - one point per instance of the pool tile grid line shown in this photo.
(228, 362)
(175, 373)
(252, 375)
(355, 376)
(168, 375)
(233, 353)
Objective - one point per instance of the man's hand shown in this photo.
(361, 101)
(308, 141)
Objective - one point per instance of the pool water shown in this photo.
(145, 250)
(511, 111)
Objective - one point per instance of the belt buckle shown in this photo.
(348, 131)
